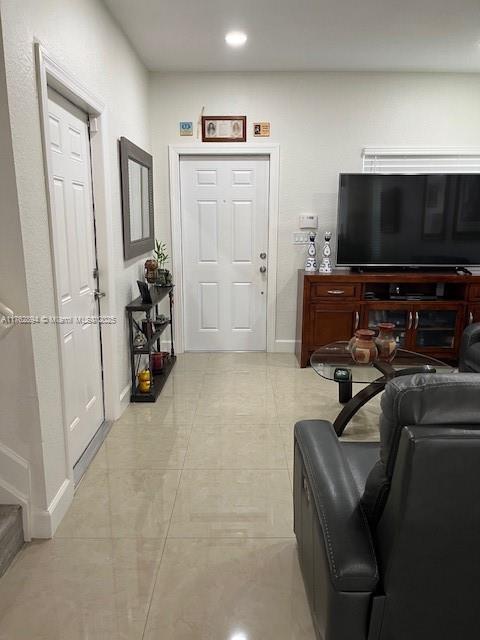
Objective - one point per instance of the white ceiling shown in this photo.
(400, 35)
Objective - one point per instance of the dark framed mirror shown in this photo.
(136, 167)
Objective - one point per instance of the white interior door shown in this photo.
(224, 206)
(73, 233)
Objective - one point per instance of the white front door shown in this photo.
(224, 206)
(73, 233)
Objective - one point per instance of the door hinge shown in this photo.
(92, 125)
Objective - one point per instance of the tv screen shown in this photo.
(408, 220)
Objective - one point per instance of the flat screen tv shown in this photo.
(408, 220)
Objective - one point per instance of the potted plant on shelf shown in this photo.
(164, 276)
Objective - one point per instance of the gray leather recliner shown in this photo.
(389, 534)
(469, 359)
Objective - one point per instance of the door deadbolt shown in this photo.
(263, 269)
(263, 255)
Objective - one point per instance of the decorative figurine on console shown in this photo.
(326, 265)
(311, 261)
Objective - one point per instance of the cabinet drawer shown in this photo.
(332, 291)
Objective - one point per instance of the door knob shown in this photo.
(99, 294)
(263, 255)
(263, 269)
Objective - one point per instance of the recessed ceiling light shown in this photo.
(236, 38)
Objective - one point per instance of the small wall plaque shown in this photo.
(261, 129)
(186, 128)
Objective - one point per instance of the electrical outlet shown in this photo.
(300, 237)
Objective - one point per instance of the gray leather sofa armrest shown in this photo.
(346, 534)
(470, 336)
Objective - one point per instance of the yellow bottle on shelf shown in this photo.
(144, 381)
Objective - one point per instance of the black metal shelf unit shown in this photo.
(152, 343)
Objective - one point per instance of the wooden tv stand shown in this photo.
(430, 310)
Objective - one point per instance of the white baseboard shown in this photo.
(124, 392)
(124, 401)
(284, 346)
(279, 346)
(166, 345)
(46, 521)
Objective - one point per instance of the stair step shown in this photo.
(11, 534)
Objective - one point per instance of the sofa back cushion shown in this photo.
(418, 400)
(426, 540)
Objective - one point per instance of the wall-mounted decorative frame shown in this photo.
(224, 128)
(136, 167)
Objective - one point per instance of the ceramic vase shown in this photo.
(139, 340)
(311, 265)
(385, 341)
(362, 347)
(151, 266)
(326, 264)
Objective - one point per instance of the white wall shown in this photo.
(82, 37)
(18, 401)
(322, 122)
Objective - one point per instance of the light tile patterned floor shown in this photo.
(182, 527)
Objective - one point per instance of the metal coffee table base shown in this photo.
(353, 404)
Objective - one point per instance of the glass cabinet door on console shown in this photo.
(473, 313)
(401, 318)
(437, 329)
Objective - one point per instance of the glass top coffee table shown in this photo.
(334, 362)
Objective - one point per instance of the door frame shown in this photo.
(51, 74)
(175, 153)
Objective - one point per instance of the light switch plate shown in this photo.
(301, 237)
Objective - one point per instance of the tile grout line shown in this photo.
(100, 539)
(170, 521)
(281, 435)
(153, 588)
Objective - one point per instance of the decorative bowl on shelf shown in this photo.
(362, 346)
(158, 360)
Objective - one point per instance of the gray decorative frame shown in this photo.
(129, 151)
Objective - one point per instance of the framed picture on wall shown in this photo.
(224, 128)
